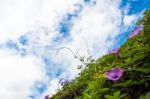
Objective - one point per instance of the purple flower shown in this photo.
(116, 50)
(46, 97)
(63, 82)
(136, 31)
(114, 74)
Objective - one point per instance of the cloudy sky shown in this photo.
(31, 32)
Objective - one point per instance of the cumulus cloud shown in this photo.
(16, 17)
(19, 16)
(18, 75)
(36, 28)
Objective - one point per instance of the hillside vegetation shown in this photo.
(124, 73)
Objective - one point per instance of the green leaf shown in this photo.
(147, 96)
(116, 94)
(86, 96)
(103, 90)
(142, 70)
(128, 61)
(139, 39)
(109, 97)
(93, 85)
(123, 95)
(77, 97)
(94, 95)
(125, 84)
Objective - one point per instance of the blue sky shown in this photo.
(32, 32)
(135, 6)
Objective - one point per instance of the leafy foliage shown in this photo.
(147, 96)
(116, 95)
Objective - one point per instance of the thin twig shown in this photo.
(69, 50)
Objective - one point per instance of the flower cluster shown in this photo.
(136, 31)
(114, 74)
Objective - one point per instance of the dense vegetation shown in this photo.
(130, 64)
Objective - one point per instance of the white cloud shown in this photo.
(18, 75)
(19, 16)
